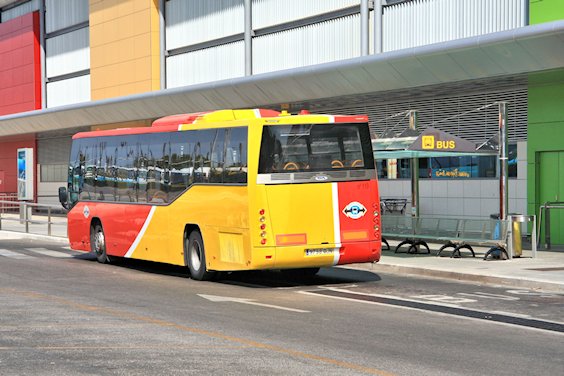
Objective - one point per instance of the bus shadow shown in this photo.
(253, 278)
(276, 279)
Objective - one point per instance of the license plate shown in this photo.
(319, 251)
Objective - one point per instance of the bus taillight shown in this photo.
(376, 220)
(262, 220)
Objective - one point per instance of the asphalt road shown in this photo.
(62, 313)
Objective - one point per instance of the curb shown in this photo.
(22, 235)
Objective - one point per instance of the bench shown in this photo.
(392, 205)
(454, 233)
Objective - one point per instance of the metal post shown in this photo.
(248, 37)
(162, 41)
(49, 221)
(525, 12)
(377, 17)
(414, 165)
(42, 53)
(534, 237)
(547, 226)
(364, 29)
(509, 237)
(503, 168)
(26, 219)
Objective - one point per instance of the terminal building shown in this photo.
(73, 65)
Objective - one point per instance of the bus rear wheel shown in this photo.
(98, 243)
(196, 257)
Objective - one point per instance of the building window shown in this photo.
(462, 167)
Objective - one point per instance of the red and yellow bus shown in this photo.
(227, 190)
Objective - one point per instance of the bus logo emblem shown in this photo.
(86, 212)
(354, 210)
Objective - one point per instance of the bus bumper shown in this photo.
(318, 255)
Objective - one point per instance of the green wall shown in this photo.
(545, 109)
(545, 11)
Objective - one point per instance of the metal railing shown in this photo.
(545, 209)
(7, 201)
(31, 218)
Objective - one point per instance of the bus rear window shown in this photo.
(315, 147)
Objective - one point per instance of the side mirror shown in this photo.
(63, 196)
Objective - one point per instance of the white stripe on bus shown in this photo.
(336, 222)
(141, 233)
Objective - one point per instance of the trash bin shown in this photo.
(516, 220)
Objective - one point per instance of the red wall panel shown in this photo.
(8, 161)
(20, 65)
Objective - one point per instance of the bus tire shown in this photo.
(98, 243)
(196, 257)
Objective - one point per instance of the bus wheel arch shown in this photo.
(98, 241)
(195, 254)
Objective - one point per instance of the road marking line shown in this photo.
(488, 295)
(444, 298)
(215, 298)
(14, 255)
(50, 253)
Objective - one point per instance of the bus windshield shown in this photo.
(315, 147)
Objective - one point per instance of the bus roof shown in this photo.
(175, 122)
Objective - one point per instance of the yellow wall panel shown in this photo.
(124, 47)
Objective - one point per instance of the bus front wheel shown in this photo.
(196, 257)
(98, 243)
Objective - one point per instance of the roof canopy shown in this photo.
(431, 142)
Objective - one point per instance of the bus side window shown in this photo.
(236, 156)
(88, 169)
(76, 172)
(217, 151)
(181, 162)
(125, 170)
(154, 155)
(205, 143)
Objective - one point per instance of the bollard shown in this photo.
(49, 221)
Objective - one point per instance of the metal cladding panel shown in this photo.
(60, 14)
(68, 53)
(422, 22)
(72, 90)
(458, 110)
(338, 80)
(210, 64)
(273, 12)
(20, 10)
(20, 69)
(196, 21)
(53, 150)
(327, 41)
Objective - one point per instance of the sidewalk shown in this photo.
(545, 272)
